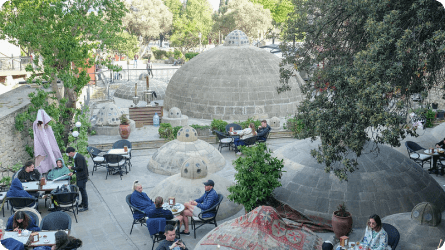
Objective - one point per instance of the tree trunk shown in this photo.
(161, 39)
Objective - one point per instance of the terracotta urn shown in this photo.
(341, 225)
(124, 131)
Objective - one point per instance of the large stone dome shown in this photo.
(384, 184)
(231, 82)
(126, 91)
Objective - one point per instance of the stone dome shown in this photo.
(426, 213)
(232, 83)
(109, 115)
(194, 168)
(174, 113)
(384, 184)
(126, 90)
(236, 38)
(169, 159)
(187, 134)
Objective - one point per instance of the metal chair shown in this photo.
(68, 201)
(56, 221)
(115, 164)
(419, 158)
(133, 209)
(212, 220)
(160, 234)
(224, 140)
(121, 144)
(247, 142)
(393, 235)
(263, 140)
(32, 213)
(234, 125)
(22, 202)
(97, 157)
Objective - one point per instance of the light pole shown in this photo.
(76, 132)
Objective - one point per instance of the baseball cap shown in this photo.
(209, 183)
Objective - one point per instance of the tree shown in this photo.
(128, 44)
(65, 34)
(195, 19)
(365, 60)
(243, 15)
(148, 18)
(175, 7)
(278, 8)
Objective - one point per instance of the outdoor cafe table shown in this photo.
(33, 186)
(27, 240)
(180, 207)
(435, 156)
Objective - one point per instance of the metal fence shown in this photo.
(104, 76)
(14, 63)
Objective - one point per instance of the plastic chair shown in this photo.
(224, 141)
(142, 220)
(393, 235)
(22, 202)
(56, 221)
(419, 158)
(97, 157)
(121, 144)
(212, 220)
(115, 164)
(234, 125)
(68, 201)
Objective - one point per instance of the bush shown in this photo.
(178, 54)
(167, 132)
(159, 54)
(170, 54)
(257, 176)
(296, 126)
(190, 55)
(246, 124)
(219, 125)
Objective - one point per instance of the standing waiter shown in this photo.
(81, 170)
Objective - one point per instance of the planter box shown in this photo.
(203, 132)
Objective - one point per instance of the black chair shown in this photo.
(133, 209)
(115, 164)
(97, 157)
(248, 142)
(224, 140)
(121, 144)
(68, 201)
(260, 140)
(22, 202)
(234, 125)
(56, 221)
(212, 220)
(31, 212)
(393, 235)
(419, 158)
(160, 234)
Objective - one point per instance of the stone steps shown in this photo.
(140, 145)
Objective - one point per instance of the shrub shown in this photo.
(178, 54)
(219, 125)
(190, 55)
(246, 123)
(296, 126)
(167, 132)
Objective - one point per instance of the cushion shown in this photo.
(226, 140)
(121, 163)
(204, 219)
(420, 156)
(98, 159)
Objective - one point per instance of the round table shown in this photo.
(180, 207)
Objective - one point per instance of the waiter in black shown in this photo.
(81, 170)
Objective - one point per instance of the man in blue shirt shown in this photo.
(194, 208)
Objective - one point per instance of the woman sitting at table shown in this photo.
(63, 242)
(20, 220)
(140, 200)
(375, 237)
(16, 191)
(59, 171)
(244, 134)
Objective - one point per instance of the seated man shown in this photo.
(59, 171)
(193, 208)
(263, 130)
(28, 173)
(16, 191)
(170, 242)
(441, 144)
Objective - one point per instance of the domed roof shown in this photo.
(174, 113)
(384, 184)
(194, 168)
(187, 134)
(426, 213)
(109, 115)
(236, 38)
(126, 90)
(232, 83)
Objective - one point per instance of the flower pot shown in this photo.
(434, 105)
(124, 131)
(341, 225)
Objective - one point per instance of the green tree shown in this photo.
(278, 8)
(65, 34)
(175, 7)
(242, 15)
(195, 19)
(365, 60)
(128, 44)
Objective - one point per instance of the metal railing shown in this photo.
(14, 63)
(108, 76)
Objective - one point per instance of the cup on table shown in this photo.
(125, 149)
(20, 232)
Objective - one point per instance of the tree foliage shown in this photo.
(279, 8)
(127, 45)
(243, 15)
(175, 7)
(196, 18)
(148, 18)
(365, 60)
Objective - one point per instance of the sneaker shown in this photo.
(83, 209)
(182, 232)
(239, 153)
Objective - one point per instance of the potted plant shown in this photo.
(341, 221)
(124, 128)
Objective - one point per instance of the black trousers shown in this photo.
(82, 184)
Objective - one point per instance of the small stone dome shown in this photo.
(187, 134)
(174, 113)
(274, 122)
(194, 168)
(236, 38)
(426, 213)
(109, 115)
(127, 90)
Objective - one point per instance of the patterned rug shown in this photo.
(262, 228)
(314, 223)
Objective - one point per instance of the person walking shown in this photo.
(81, 169)
(150, 68)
